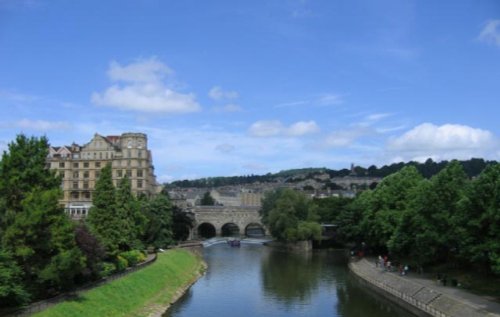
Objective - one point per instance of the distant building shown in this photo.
(80, 168)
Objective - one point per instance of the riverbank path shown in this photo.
(484, 303)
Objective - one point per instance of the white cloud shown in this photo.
(330, 99)
(302, 128)
(41, 125)
(377, 116)
(145, 71)
(276, 128)
(491, 33)
(217, 93)
(448, 141)
(266, 128)
(140, 86)
(229, 108)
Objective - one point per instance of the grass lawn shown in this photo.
(131, 295)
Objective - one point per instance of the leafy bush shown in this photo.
(107, 268)
(121, 263)
(133, 257)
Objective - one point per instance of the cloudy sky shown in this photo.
(249, 87)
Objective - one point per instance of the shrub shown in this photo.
(107, 268)
(133, 257)
(121, 263)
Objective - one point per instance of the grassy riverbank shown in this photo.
(137, 294)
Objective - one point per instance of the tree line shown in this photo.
(449, 218)
(43, 252)
(427, 169)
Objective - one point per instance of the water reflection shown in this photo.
(258, 281)
(288, 277)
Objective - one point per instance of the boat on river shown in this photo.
(234, 243)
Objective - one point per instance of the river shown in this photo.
(255, 280)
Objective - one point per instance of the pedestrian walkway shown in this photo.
(426, 294)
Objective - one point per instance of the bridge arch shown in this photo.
(206, 230)
(230, 229)
(255, 229)
(220, 216)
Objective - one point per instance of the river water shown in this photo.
(255, 280)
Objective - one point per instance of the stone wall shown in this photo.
(417, 298)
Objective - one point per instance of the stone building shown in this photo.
(80, 168)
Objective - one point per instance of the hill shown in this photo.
(472, 167)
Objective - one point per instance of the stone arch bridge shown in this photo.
(211, 221)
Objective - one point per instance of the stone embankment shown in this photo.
(422, 297)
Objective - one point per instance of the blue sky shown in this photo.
(250, 87)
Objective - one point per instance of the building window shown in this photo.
(86, 195)
(119, 173)
(75, 185)
(129, 153)
(86, 174)
(75, 174)
(100, 155)
(129, 163)
(61, 164)
(97, 174)
(74, 195)
(139, 173)
(139, 183)
(139, 153)
(85, 185)
(129, 173)
(86, 164)
(97, 164)
(75, 165)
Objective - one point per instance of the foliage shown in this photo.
(37, 237)
(129, 209)
(42, 241)
(22, 169)
(106, 269)
(207, 200)
(159, 229)
(290, 216)
(478, 221)
(182, 222)
(329, 209)
(133, 257)
(12, 291)
(105, 220)
(121, 263)
(92, 250)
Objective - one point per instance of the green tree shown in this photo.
(104, 220)
(292, 216)
(207, 200)
(350, 219)
(159, 229)
(478, 221)
(390, 200)
(34, 229)
(182, 223)
(128, 208)
(22, 168)
(12, 291)
(427, 231)
(42, 241)
(329, 209)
